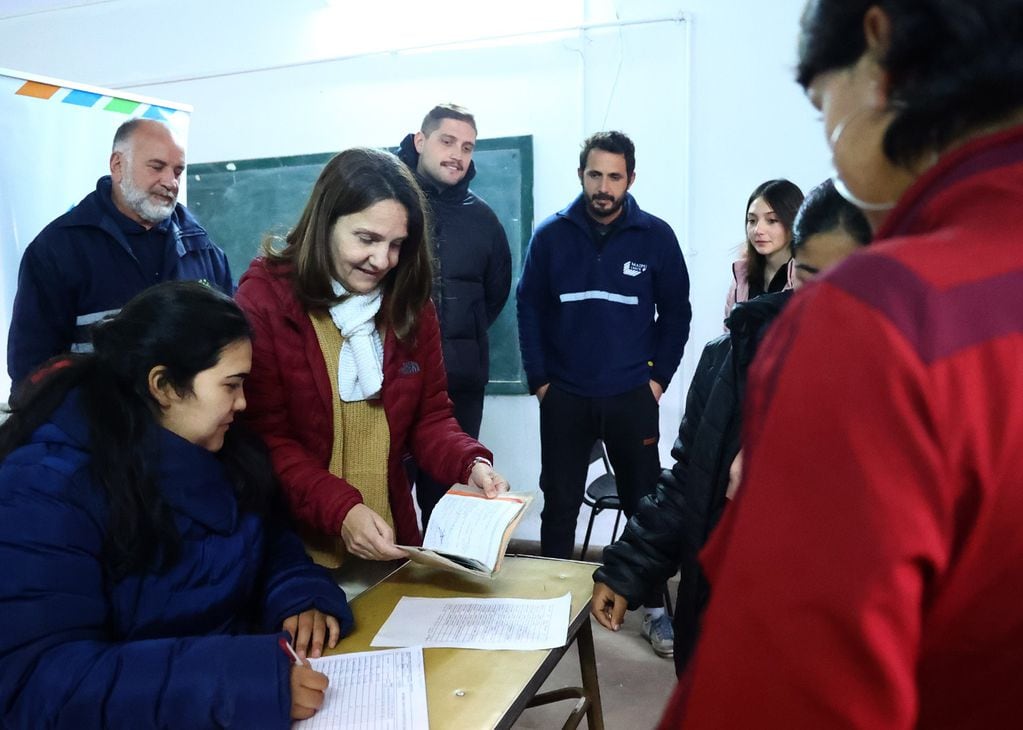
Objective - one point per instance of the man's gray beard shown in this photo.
(138, 200)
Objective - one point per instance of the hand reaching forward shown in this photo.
(608, 607)
(367, 535)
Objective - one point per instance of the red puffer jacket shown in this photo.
(289, 404)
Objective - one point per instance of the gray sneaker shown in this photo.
(660, 633)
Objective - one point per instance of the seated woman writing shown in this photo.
(347, 375)
(145, 581)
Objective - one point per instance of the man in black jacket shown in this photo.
(473, 260)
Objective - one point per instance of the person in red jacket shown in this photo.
(347, 374)
(868, 573)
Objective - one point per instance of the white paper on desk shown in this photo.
(372, 690)
(477, 623)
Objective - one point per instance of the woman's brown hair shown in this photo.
(350, 182)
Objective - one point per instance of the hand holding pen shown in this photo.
(307, 685)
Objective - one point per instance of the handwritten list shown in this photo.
(373, 690)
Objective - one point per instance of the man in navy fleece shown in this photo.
(128, 234)
(603, 307)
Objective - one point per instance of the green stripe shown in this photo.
(122, 105)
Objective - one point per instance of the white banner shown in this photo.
(55, 140)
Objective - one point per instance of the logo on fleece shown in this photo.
(631, 268)
(409, 367)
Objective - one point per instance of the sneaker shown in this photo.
(660, 633)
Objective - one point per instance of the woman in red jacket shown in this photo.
(347, 374)
(868, 573)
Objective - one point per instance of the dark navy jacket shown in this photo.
(81, 268)
(166, 650)
(473, 279)
(587, 312)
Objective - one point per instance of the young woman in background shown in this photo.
(766, 263)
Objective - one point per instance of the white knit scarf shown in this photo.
(360, 371)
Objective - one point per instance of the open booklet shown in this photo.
(468, 532)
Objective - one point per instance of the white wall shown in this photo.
(704, 139)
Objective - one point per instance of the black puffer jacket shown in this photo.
(473, 276)
(670, 526)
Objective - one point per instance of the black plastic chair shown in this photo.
(601, 494)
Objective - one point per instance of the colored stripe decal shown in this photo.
(38, 90)
(81, 98)
(92, 99)
(597, 294)
(158, 113)
(122, 106)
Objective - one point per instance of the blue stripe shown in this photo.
(81, 98)
(158, 112)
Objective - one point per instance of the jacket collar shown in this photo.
(193, 481)
(91, 212)
(981, 155)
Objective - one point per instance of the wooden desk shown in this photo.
(473, 689)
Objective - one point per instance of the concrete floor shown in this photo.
(635, 683)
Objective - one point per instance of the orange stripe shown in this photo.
(38, 90)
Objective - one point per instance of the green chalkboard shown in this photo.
(239, 202)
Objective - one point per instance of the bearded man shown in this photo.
(126, 235)
(603, 307)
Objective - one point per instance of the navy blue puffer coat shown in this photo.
(167, 650)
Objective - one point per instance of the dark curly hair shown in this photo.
(615, 142)
(954, 65)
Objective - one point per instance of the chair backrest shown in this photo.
(599, 453)
(601, 494)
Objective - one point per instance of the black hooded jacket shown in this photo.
(473, 273)
(671, 525)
